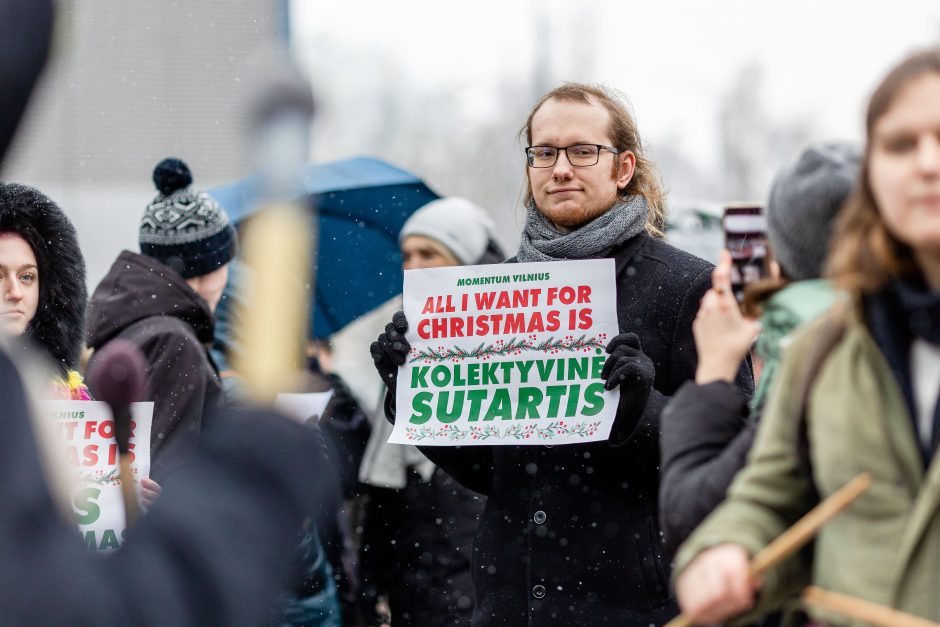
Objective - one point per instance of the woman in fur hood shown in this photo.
(42, 282)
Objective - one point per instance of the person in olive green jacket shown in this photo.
(708, 428)
(872, 404)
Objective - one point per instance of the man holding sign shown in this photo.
(570, 533)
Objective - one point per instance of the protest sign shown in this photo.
(87, 430)
(507, 354)
(304, 407)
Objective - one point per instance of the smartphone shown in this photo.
(745, 228)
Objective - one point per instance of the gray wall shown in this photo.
(131, 82)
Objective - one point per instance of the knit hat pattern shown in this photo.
(804, 200)
(185, 229)
(463, 227)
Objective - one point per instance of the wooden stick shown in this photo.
(794, 538)
(271, 325)
(131, 506)
(860, 609)
(791, 540)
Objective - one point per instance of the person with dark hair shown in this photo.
(708, 427)
(42, 276)
(570, 533)
(857, 391)
(162, 301)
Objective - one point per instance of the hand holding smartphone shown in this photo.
(745, 228)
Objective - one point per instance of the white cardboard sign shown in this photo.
(87, 430)
(304, 406)
(507, 354)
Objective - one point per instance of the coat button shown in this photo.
(538, 591)
(539, 517)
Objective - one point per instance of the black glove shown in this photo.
(391, 349)
(630, 368)
(343, 401)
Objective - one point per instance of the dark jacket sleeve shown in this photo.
(184, 388)
(704, 443)
(347, 430)
(642, 433)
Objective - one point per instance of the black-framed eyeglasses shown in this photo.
(579, 155)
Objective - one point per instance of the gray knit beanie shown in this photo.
(460, 225)
(804, 200)
(184, 229)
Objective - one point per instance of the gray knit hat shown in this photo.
(460, 225)
(804, 200)
(184, 229)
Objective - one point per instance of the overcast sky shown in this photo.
(818, 61)
(672, 58)
(420, 82)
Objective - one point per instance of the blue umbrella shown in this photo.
(362, 204)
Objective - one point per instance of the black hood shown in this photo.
(59, 323)
(138, 287)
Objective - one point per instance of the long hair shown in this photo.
(757, 294)
(864, 255)
(624, 136)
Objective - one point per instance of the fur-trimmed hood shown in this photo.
(59, 323)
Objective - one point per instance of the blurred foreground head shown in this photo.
(25, 33)
(217, 548)
(891, 225)
(448, 232)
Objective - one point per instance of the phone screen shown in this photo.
(745, 228)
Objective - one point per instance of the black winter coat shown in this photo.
(150, 305)
(701, 454)
(570, 535)
(416, 549)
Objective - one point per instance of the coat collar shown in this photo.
(624, 253)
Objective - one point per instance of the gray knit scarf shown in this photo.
(541, 241)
